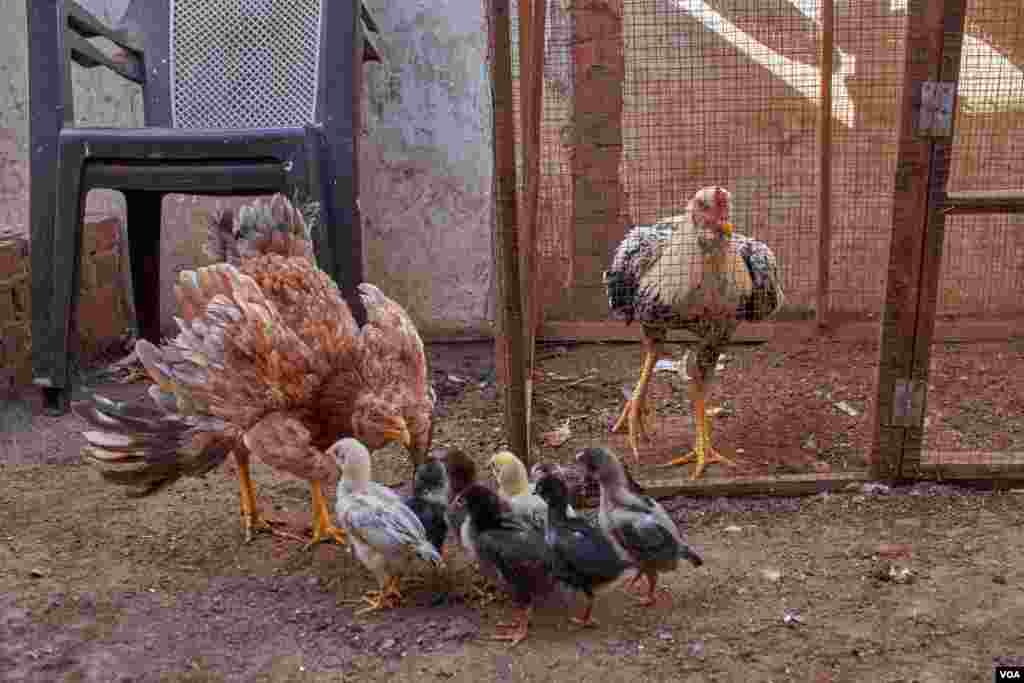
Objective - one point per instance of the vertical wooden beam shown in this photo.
(934, 232)
(934, 35)
(532, 15)
(825, 164)
(511, 359)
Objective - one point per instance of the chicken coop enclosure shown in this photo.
(877, 148)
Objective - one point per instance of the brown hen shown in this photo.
(270, 362)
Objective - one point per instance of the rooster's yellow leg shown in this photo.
(323, 530)
(702, 452)
(252, 520)
(635, 410)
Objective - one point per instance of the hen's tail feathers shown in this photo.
(146, 449)
(275, 227)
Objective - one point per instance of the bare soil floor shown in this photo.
(920, 583)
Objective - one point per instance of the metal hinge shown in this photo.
(936, 116)
(907, 403)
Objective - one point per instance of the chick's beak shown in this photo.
(399, 431)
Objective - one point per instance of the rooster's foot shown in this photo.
(702, 457)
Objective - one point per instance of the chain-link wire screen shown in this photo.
(647, 101)
(244, 63)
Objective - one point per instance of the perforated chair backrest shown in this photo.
(244, 63)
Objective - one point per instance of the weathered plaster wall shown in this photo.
(427, 165)
(426, 160)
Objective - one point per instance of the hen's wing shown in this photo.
(284, 442)
(240, 354)
(392, 348)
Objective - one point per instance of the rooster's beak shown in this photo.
(727, 229)
(399, 432)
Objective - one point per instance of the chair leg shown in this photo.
(56, 377)
(144, 252)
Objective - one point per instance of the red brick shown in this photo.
(101, 318)
(16, 342)
(22, 296)
(101, 269)
(102, 233)
(8, 313)
(13, 257)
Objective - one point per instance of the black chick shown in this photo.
(514, 554)
(429, 500)
(582, 557)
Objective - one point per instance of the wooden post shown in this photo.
(509, 351)
(825, 164)
(934, 38)
(532, 14)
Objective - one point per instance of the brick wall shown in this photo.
(103, 312)
(15, 332)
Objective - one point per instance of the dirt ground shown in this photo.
(100, 587)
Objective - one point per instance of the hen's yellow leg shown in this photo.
(323, 530)
(702, 452)
(387, 597)
(251, 518)
(635, 410)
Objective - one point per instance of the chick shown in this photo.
(542, 469)
(514, 488)
(429, 500)
(637, 525)
(461, 475)
(387, 537)
(513, 554)
(582, 556)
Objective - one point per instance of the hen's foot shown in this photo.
(323, 530)
(324, 534)
(376, 602)
(255, 522)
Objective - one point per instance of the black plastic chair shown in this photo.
(241, 98)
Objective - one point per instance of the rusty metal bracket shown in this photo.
(935, 118)
(907, 403)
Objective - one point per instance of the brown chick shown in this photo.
(269, 362)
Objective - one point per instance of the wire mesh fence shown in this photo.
(975, 394)
(645, 102)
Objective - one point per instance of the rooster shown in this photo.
(690, 272)
(270, 362)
